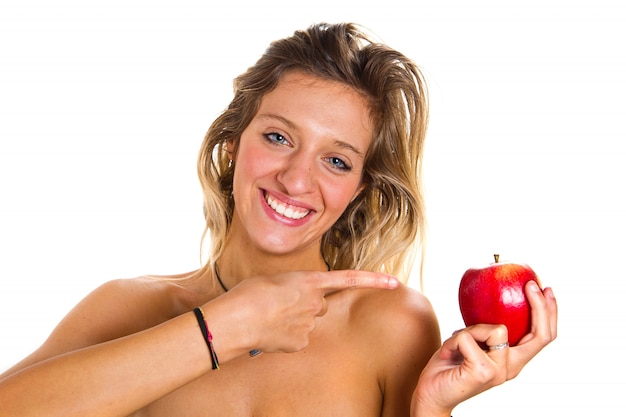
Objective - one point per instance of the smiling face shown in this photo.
(298, 164)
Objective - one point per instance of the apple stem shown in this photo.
(496, 257)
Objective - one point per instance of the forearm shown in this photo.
(114, 378)
(421, 408)
(428, 413)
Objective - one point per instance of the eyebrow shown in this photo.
(346, 145)
(291, 125)
(288, 122)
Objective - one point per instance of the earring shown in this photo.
(230, 163)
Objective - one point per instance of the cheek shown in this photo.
(338, 195)
(250, 165)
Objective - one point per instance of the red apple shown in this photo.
(494, 294)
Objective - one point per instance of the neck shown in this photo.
(237, 264)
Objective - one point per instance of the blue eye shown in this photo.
(339, 163)
(276, 138)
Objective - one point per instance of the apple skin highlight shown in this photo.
(495, 295)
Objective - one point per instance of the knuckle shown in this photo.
(299, 344)
(302, 339)
(546, 338)
(501, 332)
(323, 307)
(352, 278)
(313, 278)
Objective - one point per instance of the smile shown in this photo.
(286, 210)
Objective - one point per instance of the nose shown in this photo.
(297, 174)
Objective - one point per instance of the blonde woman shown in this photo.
(314, 210)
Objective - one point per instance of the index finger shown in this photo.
(544, 312)
(351, 278)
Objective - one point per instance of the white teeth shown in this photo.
(284, 210)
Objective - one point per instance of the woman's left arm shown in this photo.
(461, 369)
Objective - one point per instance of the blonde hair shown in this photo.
(382, 228)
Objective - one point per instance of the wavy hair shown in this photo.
(384, 225)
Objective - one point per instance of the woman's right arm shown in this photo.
(76, 372)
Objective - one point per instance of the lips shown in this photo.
(286, 210)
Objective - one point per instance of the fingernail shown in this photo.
(533, 286)
(393, 282)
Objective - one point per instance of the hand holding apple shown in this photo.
(495, 295)
(462, 367)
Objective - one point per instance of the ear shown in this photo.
(230, 149)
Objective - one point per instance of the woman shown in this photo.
(311, 179)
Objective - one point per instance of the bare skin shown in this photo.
(167, 367)
(359, 352)
(344, 343)
(333, 341)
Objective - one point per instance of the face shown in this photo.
(299, 164)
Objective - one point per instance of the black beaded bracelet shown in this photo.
(208, 337)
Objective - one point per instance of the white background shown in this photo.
(103, 106)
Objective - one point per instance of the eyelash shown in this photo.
(334, 160)
(274, 138)
(277, 139)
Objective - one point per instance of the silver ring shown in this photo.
(499, 346)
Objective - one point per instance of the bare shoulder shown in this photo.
(115, 309)
(125, 306)
(402, 334)
(404, 316)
